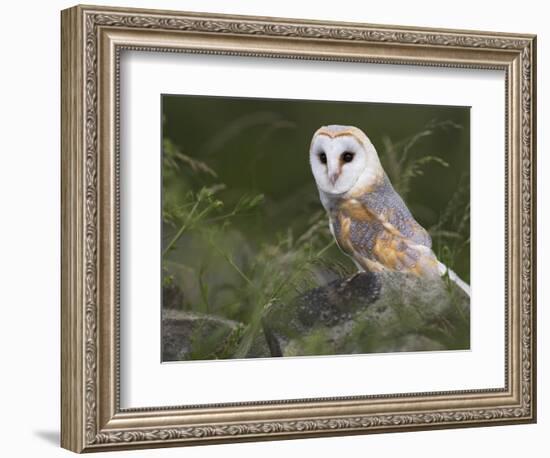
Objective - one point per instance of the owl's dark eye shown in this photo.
(323, 158)
(347, 156)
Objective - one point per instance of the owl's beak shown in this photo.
(333, 178)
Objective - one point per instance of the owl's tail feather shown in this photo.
(443, 269)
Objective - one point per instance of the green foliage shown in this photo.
(196, 207)
(451, 234)
(401, 161)
(278, 270)
(174, 159)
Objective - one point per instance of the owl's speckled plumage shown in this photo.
(378, 231)
(368, 219)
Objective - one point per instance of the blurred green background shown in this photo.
(242, 220)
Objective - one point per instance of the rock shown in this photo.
(371, 313)
(195, 336)
(259, 347)
(172, 296)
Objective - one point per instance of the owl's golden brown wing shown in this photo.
(374, 241)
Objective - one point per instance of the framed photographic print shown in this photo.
(278, 228)
(306, 246)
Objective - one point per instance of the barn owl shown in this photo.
(367, 217)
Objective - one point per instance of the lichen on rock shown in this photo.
(370, 313)
(192, 336)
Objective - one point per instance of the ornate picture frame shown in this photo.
(93, 39)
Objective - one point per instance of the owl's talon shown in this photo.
(348, 280)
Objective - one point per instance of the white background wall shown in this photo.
(29, 227)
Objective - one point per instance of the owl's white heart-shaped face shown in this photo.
(342, 157)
